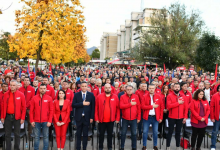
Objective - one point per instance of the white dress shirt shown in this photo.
(207, 94)
(152, 111)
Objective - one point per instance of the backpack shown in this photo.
(185, 142)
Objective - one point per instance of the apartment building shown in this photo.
(128, 35)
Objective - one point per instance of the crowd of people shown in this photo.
(106, 95)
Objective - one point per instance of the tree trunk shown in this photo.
(39, 51)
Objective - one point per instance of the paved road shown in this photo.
(128, 145)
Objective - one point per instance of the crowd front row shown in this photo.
(149, 109)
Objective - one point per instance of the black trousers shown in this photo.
(70, 124)
(82, 127)
(102, 128)
(179, 124)
(10, 122)
(162, 125)
(197, 134)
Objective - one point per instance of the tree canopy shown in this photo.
(50, 30)
(208, 51)
(4, 47)
(95, 54)
(172, 37)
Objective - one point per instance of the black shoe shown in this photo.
(139, 137)
(71, 139)
(133, 148)
(144, 148)
(160, 136)
(122, 149)
(149, 138)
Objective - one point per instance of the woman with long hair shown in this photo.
(161, 127)
(61, 118)
(200, 111)
(73, 87)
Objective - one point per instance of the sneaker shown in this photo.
(212, 148)
(155, 148)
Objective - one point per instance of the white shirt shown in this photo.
(84, 93)
(152, 111)
(207, 94)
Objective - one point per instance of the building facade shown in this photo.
(127, 36)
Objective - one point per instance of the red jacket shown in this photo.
(94, 90)
(130, 112)
(112, 91)
(69, 96)
(41, 109)
(1, 102)
(141, 94)
(176, 110)
(188, 96)
(19, 104)
(157, 91)
(65, 112)
(29, 93)
(195, 111)
(146, 106)
(138, 90)
(214, 106)
(32, 76)
(114, 106)
(50, 92)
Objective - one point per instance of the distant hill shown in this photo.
(91, 49)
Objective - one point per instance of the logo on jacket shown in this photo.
(48, 90)
(205, 104)
(18, 98)
(156, 99)
(29, 91)
(112, 99)
(67, 93)
(45, 100)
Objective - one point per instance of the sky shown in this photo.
(107, 15)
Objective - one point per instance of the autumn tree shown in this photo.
(4, 47)
(172, 37)
(52, 30)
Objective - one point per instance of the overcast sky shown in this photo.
(107, 15)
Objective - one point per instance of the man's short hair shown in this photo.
(14, 81)
(83, 82)
(43, 84)
(176, 84)
(183, 83)
(27, 78)
(129, 86)
(152, 85)
(4, 84)
(46, 78)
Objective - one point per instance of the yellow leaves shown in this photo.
(63, 38)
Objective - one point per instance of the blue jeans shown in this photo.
(214, 133)
(146, 124)
(133, 126)
(140, 125)
(37, 131)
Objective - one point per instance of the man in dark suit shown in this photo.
(84, 104)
